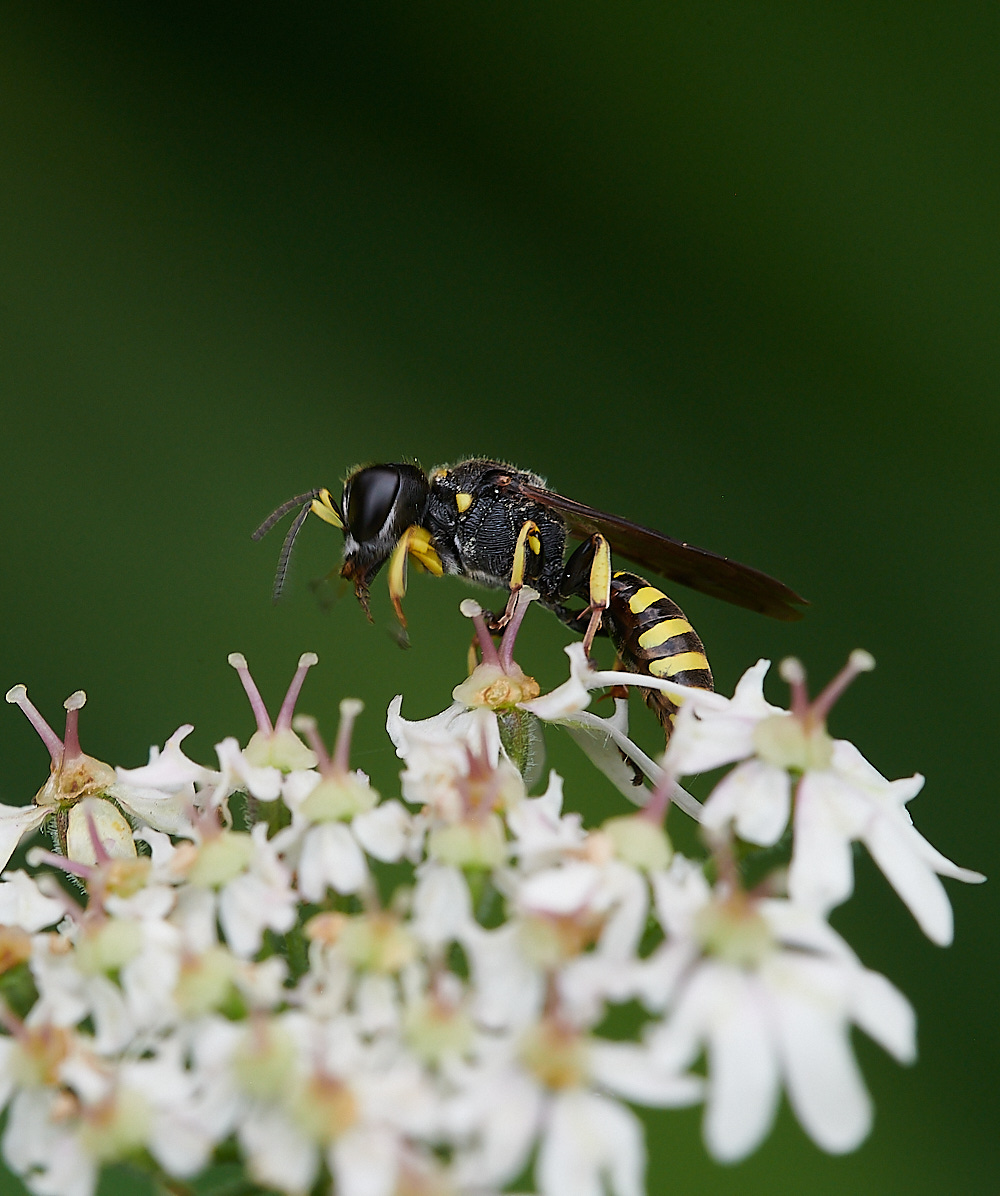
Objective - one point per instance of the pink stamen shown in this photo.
(50, 887)
(71, 744)
(472, 610)
(18, 696)
(239, 663)
(482, 781)
(858, 662)
(305, 725)
(655, 810)
(350, 708)
(284, 719)
(525, 598)
(11, 1022)
(792, 671)
(100, 854)
(38, 855)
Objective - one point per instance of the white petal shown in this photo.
(756, 796)
(677, 1042)
(882, 1011)
(384, 832)
(562, 702)
(331, 858)
(442, 907)
(58, 1163)
(23, 904)
(15, 823)
(821, 874)
(628, 1071)
(365, 1162)
(589, 1138)
(376, 1003)
(940, 863)
(170, 769)
(742, 1070)
(507, 990)
(711, 730)
(7, 1081)
(246, 906)
(113, 1024)
(279, 1154)
(560, 890)
(506, 1110)
(237, 773)
(824, 1085)
(165, 811)
(923, 894)
(180, 1142)
(803, 927)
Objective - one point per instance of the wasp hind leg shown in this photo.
(587, 575)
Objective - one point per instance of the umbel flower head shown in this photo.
(80, 786)
(371, 995)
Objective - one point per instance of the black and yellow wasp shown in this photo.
(503, 528)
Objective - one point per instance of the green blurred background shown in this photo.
(728, 269)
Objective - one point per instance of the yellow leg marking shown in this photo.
(671, 665)
(420, 545)
(417, 542)
(397, 576)
(527, 539)
(600, 574)
(659, 633)
(324, 508)
(644, 598)
(600, 588)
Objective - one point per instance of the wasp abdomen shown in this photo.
(653, 635)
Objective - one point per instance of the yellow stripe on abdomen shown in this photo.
(643, 598)
(665, 630)
(669, 666)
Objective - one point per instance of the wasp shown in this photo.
(503, 528)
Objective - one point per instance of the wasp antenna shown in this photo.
(286, 548)
(282, 511)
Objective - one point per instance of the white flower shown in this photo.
(16, 823)
(23, 904)
(38, 1144)
(260, 898)
(237, 773)
(839, 797)
(78, 783)
(769, 992)
(548, 1087)
(542, 833)
(606, 740)
(852, 801)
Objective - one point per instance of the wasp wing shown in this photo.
(698, 568)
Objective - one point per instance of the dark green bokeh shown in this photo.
(731, 271)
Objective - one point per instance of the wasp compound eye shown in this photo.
(369, 501)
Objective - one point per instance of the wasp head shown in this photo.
(380, 502)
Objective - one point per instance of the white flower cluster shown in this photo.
(409, 996)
